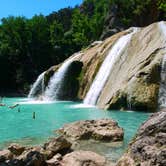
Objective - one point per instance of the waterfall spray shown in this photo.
(37, 87)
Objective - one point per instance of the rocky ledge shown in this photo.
(58, 151)
(102, 130)
(149, 146)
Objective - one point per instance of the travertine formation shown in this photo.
(134, 80)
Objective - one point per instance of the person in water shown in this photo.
(13, 106)
(34, 115)
(19, 109)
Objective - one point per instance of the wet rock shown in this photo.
(57, 145)
(14, 162)
(5, 155)
(69, 87)
(16, 149)
(55, 160)
(80, 158)
(95, 43)
(103, 130)
(34, 158)
(148, 148)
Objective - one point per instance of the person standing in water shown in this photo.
(34, 115)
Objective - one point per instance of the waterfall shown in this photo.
(56, 81)
(162, 89)
(37, 87)
(162, 27)
(105, 69)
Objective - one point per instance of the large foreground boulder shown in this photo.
(103, 130)
(149, 146)
(80, 158)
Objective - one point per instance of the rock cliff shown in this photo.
(134, 79)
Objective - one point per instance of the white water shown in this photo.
(56, 81)
(162, 90)
(162, 27)
(38, 86)
(105, 69)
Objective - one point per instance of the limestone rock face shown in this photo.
(79, 158)
(149, 146)
(103, 130)
(134, 80)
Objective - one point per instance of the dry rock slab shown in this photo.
(80, 158)
(102, 130)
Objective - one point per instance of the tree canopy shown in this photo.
(30, 46)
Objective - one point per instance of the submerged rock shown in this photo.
(80, 158)
(103, 130)
(149, 146)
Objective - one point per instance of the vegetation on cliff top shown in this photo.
(30, 46)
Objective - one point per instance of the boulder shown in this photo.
(16, 149)
(103, 130)
(5, 155)
(57, 145)
(149, 146)
(34, 158)
(80, 158)
(55, 160)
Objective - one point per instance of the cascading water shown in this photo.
(105, 69)
(56, 81)
(37, 87)
(162, 27)
(162, 90)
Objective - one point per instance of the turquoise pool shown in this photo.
(18, 125)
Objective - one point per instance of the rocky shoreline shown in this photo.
(148, 148)
(59, 151)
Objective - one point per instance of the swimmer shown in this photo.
(13, 106)
(34, 115)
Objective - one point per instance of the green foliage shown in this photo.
(30, 46)
(140, 13)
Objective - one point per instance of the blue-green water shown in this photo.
(20, 126)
